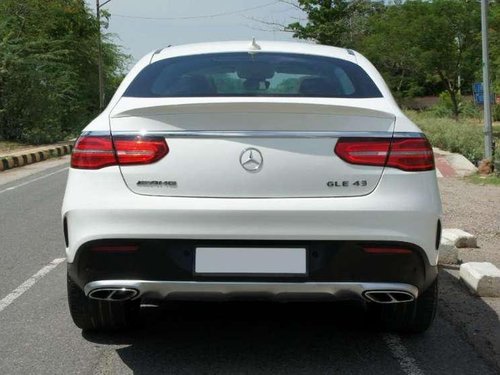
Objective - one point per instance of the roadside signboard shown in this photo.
(477, 87)
(478, 93)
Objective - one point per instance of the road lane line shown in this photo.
(33, 180)
(16, 293)
(407, 363)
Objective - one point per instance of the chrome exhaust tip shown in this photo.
(388, 296)
(113, 294)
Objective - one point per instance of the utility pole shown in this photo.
(98, 6)
(488, 133)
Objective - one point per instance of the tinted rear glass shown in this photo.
(258, 74)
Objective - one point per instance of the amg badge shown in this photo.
(170, 184)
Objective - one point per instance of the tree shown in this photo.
(428, 42)
(420, 46)
(48, 68)
(340, 23)
(494, 43)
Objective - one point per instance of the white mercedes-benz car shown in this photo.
(252, 170)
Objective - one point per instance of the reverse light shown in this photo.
(407, 154)
(95, 152)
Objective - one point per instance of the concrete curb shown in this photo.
(451, 240)
(29, 157)
(482, 278)
(448, 253)
(459, 238)
(453, 165)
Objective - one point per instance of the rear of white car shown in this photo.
(277, 170)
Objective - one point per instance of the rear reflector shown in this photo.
(115, 248)
(407, 154)
(95, 152)
(386, 250)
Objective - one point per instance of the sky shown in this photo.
(141, 26)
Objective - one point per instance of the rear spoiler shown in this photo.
(127, 106)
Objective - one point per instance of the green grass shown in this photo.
(464, 136)
(484, 180)
(496, 130)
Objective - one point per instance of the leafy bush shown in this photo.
(470, 110)
(496, 112)
(464, 136)
(444, 107)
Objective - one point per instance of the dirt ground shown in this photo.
(475, 209)
(8, 147)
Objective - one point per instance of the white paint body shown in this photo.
(287, 200)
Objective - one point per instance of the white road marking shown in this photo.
(407, 363)
(33, 180)
(16, 293)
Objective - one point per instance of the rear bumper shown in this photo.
(337, 268)
(192, 290)
(98, 205)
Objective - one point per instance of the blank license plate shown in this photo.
(238, 260)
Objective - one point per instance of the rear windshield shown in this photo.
(257, 74)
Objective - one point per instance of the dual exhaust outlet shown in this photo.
(388, 296)
(376, 296)
(113, 294)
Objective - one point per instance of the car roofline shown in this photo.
(247, 46)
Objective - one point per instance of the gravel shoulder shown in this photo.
(475, 209)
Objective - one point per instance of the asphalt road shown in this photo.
(37, 335)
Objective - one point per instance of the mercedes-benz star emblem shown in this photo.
(251, 160)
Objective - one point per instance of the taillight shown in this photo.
(95, 152)
(364, 151)
(407, 154)
(140, 150)
(411, 154)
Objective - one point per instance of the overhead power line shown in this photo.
(200, 16)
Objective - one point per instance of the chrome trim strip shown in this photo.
(166, 289)
(259, 134)
(408, 135)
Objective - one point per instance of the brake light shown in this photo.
(140, 150)
(95, 152)
(411, 154)
(364, 151)
(407, 154)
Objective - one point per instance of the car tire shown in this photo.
(410, 317)
(90, 314)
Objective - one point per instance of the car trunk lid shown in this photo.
(251, 147)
